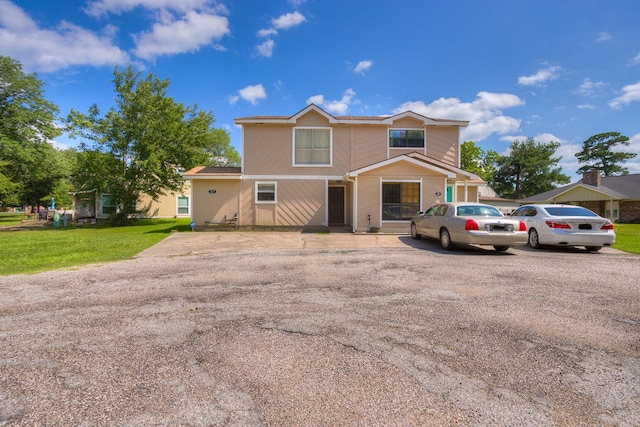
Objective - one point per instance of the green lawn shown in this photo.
(11, 218)
(44, 249)
(627, 237)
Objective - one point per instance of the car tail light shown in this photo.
(471, 224)
(607, 226)
(523, 226)
(556, 224)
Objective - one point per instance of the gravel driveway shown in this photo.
(283, 329)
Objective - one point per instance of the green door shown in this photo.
(449, 193)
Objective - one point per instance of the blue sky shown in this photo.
(552, 70)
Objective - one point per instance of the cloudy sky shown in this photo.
(551, 70)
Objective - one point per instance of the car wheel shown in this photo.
(593, 248)
(534, 240)
(501, 248)
(414, 232)
(445, 240)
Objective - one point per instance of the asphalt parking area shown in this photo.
(324, 329)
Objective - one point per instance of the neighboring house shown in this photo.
(171, 205)
(613, 197)
(314, 171)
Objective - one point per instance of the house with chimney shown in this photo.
(613, 197)
(316, 171)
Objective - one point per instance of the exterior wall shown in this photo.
(630, 212)
(166, 206)
(369, 194)
(442, 144)
(369, 145)
(579, 193)
(213, 207)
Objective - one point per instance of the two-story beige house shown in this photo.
(315, 171)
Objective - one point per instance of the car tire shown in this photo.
(501, 248)
(534, 239)
(414, 232)
(593, 248)
(445, 240)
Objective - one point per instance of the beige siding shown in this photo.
(580, 194)
(213, 207)
(369, 145)
(442, 144)
(267, 149)
(301, 203)
(166, 206)
(407, 123)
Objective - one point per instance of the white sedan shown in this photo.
(470, 224)
(565, 225)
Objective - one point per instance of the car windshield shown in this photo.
(569, 211)
(478, 210)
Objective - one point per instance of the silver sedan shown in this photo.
(471, 224)
(565, 225)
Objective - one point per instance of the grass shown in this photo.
(627, 237)
(33, 251)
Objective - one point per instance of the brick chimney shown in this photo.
(592, 177)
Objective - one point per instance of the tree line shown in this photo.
(139, 146)
(531, 167)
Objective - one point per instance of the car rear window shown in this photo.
(569, 211)
(478, 210)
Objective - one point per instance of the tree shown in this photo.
(597, 152)
(528, 169)
(474, 159)
(28, 161)
(139, 146)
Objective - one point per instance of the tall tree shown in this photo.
(597, 152)
(529, 168)
(28, 160)
(475, 159)
(139, 146)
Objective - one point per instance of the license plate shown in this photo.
(499, 227)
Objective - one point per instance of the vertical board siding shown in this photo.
(370, 145)
(442, 144)
(301, 203)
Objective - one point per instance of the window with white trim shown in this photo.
(183, 205)
(266, 192)
(400, 200)
(406, 138)
(312, 146)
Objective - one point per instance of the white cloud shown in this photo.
(251, 94)
(184, 35)
(588, 87)
(540, 78)
(586, 107)
(604, 36)
(288, 20)
(338, 107)
(101, 7)
(266, 48)
(283, 22)
(484, 114)
(51, 50)
(636, 59)
(363, 66)
(631, 93)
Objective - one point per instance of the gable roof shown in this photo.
(418, 160)
(364, 120)
(612, 187)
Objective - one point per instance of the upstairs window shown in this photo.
(406, 138)
(312, 147)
